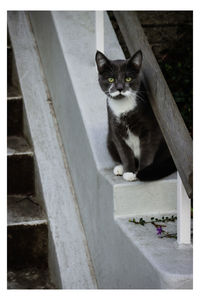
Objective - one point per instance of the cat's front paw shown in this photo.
(129, 176)
(118, 170)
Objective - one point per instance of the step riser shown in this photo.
(15, 117)
(149, 198)
(9, 65)
(14, 103)
(20, 174)
(27, 246)
(12, 77)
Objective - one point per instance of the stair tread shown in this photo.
(24, 210)
(31, 278)
(119, 181)
(163, 253)
(18, 145)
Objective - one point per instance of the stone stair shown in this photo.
(27, 227)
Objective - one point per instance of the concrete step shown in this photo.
(31, 278)
(27, 233)
(12, 77)
(142, 198)
(14, 111)
(172, 263)
(9, 62)
(25, 209)
(27, 227)
(20, 164)
(14, 97)
(13, 92)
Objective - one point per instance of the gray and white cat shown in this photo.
(134, 138)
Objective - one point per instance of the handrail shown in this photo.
(165, 109)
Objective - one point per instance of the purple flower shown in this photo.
(159, 230)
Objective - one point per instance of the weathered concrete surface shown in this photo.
(27, 245)
(66, 42)
(172, 261)
(14, 112)
(71, 265)
(24, 210)
(20, 166)
(29, 279)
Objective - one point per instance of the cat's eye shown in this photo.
(111, 79)
(128, 79)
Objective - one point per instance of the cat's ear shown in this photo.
(101, 60)
(136, 60)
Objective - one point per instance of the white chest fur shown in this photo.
(120, 107)
(124, 105)
(133, 142)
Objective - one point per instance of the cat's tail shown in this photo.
(157, 170)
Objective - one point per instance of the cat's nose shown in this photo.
(120, 87)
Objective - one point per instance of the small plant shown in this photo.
(159, 227)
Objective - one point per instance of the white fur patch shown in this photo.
(124, 105)
(114, 94)
(133, 142)
(118, 170)
(129, 176)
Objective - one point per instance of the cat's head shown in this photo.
(119, 78)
